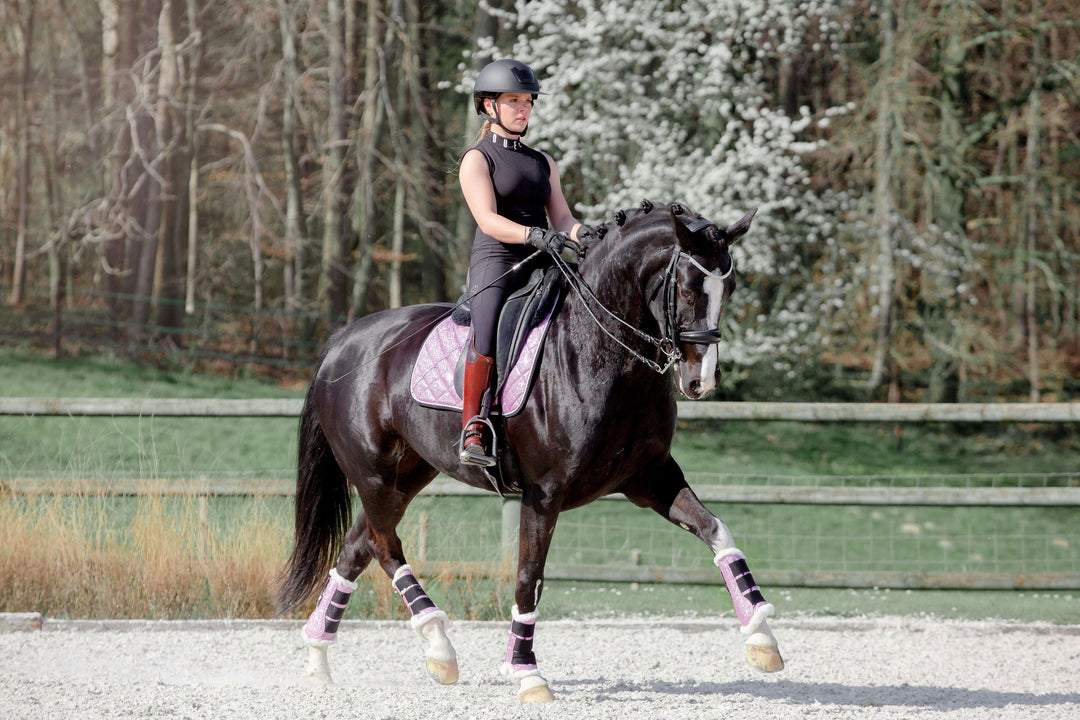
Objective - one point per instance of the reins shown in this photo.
(577, 283)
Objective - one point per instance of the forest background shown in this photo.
(221, 183)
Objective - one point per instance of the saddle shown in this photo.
(438, 373)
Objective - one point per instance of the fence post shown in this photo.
(511, 522)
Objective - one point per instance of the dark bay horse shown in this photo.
(600, 419)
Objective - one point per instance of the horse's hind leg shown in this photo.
(431, 624)
(362, 542)
(322, 625)
(667, 493)
(385, 505)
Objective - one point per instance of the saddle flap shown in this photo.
(522, 311)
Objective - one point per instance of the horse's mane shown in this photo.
(624, 222)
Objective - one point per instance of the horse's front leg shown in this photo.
(667, 493)
(539, 512)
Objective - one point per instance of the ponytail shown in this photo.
(483, 131)
(480, 136)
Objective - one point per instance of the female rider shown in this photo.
(512, 192)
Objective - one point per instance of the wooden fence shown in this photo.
(1065, 495)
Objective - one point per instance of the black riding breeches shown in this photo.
(488, 262)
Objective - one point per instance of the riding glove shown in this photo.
(545, 239)
(586, 234)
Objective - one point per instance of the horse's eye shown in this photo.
(686, 294)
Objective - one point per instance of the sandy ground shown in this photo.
(643, 668)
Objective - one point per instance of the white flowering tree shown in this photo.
(676, 101)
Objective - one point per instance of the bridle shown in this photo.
(670, 342)
(672, 330)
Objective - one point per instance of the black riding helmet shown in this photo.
(503, 76)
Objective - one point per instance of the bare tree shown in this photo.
(885, 153)
(295, 221)
(22, 212)
(371, 122)
(1031, 224)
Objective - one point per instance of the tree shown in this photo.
(25, 35)
(646, 101)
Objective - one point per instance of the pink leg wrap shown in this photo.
(519, 650)
(745, 593)
(322, 625)
(408, 587)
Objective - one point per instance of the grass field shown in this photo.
(137, 557)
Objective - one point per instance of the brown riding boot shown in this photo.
(478, 371)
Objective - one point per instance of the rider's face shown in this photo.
(514, 110)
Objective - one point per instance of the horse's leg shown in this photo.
(374, 535)
(431, 624)
(386, 505)
(667, 493)
(539, 513)
(322, 625)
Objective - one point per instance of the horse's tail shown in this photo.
(323, 511)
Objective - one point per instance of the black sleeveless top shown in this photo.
(521, 178)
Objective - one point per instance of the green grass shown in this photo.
(137, 447)
(781, 537)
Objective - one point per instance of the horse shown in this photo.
(600, 419)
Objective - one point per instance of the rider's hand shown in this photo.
(586, 234)
(546, 239)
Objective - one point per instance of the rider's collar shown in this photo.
(509, 143)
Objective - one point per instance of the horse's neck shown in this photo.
(603, 363)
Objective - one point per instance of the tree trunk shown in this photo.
(333, 260)
(295, 223)
(433, 252)
(22, 111)
(1032, 217)
(173, 124)
(191, 227)
(370, 127)
(883, 202)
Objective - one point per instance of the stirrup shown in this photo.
(475, 454)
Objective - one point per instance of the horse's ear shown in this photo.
(731, 234)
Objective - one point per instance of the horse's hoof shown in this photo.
(765, 658)
(534, 690)
(445, 672)
(317, 673)
(318, 679)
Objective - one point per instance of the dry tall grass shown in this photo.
(75, 557)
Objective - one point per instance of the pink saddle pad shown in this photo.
(433, 373)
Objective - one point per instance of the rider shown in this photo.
(512, 192)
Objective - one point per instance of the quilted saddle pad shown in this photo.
(433, 372)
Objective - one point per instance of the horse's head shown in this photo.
(687, 276)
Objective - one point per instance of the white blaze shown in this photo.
(714, 290)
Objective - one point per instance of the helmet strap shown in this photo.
(496, 120)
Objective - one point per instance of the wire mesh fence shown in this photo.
(821, 542)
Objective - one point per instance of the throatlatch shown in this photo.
(322, 626)
(750, 605)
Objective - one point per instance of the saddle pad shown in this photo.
(433, 373)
